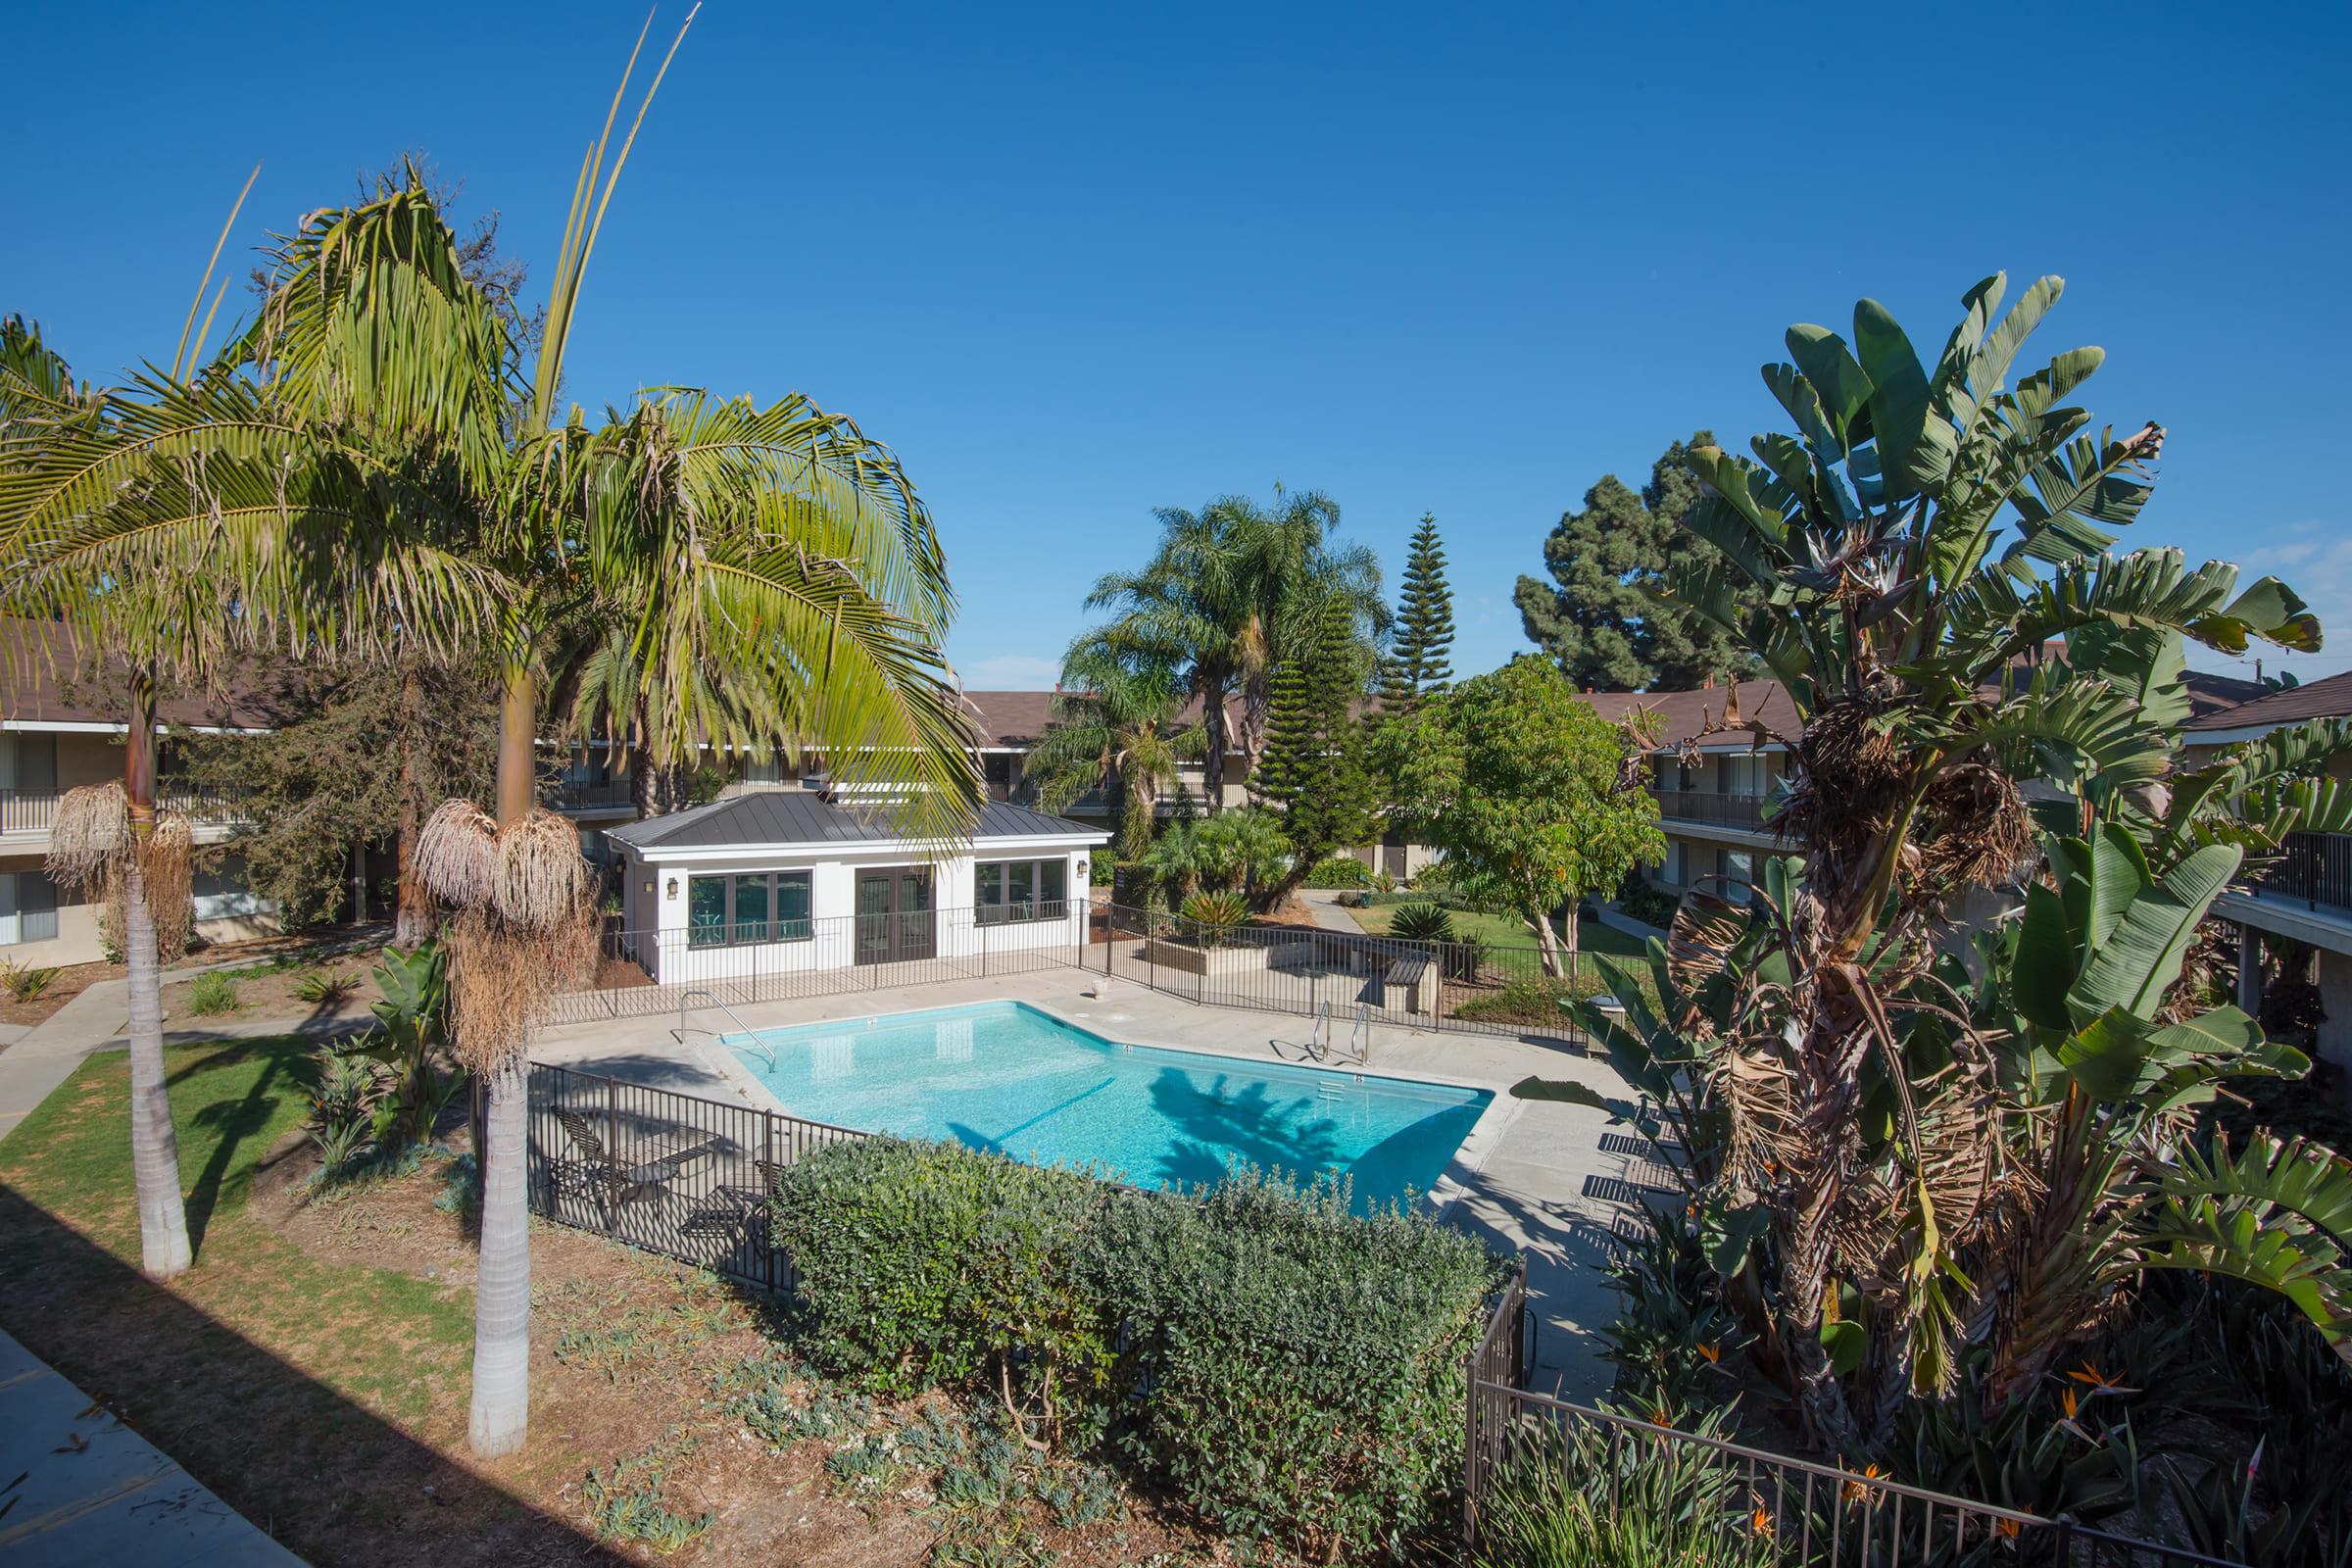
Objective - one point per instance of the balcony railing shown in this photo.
(2314, 868)
(586, 795)
(1706, 806)
(35, 810)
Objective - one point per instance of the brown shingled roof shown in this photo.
(2330, 697)
(45, 680)
(1021, 719)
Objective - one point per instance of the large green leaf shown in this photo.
(2104, 1057)
(2140, 959)
(1898, 398)
(2048, 957)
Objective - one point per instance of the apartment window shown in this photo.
(1739, 866)
(1674, 868)
(27, 908)
(1743, 775)
(724, 911)
(1670, 778)
(1004, 891)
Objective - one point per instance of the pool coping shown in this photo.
(1453, 1183)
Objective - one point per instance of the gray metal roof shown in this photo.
(803, 816)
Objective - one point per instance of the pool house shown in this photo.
(775, 883)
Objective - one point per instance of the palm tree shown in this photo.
(1116, 720)
(1231, 586)
(112, 838)
(399, 413)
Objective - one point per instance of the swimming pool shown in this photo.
(1009, 1078)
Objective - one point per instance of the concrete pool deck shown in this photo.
(1532, 1177)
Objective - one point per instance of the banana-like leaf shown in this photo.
(1898, 401)
(2048, 958)
(1837, 379)
(2257, 1241)
(2140, 959)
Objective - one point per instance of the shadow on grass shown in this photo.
(232, 1123)
(327, 1477)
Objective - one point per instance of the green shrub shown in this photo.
(327, 988)
(1532, 1000)
(1579, 1501)
(212, 995)
(1421, 922)
(931, 1265)
(24, 983)
(1296, 1368)
(1339, 872)
(1645, 904)
(1215, 916)
(1289, 1369)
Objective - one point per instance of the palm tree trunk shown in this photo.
(163, 1252)
(413, 919)
(1212, 768)
(502, 1297)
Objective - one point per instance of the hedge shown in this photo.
(1290, 1370)
(1339, 872)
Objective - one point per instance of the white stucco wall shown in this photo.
(832, 904)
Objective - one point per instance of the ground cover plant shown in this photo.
(1289, 1370)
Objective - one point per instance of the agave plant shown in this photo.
(1213, 916)
(1421, 922)
(1942, 1171)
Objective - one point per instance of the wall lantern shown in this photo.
(674, 887)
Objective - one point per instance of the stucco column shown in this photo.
(2250, 970)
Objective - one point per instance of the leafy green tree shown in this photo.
(1115, 723)
(1927, 1179)
(1598, 617)
(1535, 798)
(366, 752)
(1230, 589)
(1317, 767)
(1422, 636)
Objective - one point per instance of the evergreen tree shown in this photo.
(1315, 767)
(1597, 619)
(1417, 663)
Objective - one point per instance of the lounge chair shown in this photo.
(618, 1177)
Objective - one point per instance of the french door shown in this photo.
(894, 919)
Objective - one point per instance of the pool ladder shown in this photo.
(1319, 1039)
(713, 998)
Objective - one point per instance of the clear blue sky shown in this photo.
(1078, 264)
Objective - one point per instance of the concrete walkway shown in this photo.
(95, 1492)
(1324, 905)
(1537, 1177)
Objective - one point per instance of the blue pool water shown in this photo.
(1008, 1078)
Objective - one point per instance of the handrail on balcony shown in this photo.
(1714, 806)
(2316, 868)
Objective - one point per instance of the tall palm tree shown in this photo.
(1232, 586)
(170, 623)
(396, 415)
(778, 546)
(1115, 722)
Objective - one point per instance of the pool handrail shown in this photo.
(715, 1002)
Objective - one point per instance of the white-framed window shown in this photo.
(750, 906)
(1004, 891)
(1738, 865)
(27, 908)
(222, 894)
(1675, 868)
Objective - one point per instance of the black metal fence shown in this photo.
(2316, 868)
(669, 1173)
(1473, 987)
(639, 973)
(1751, 1501)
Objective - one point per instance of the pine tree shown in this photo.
(1315, 765)
(1595, 617)
(1418, 662)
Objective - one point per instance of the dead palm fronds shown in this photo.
(525, 923)
(93, 842)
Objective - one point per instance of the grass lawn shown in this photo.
(313, 1367)
(1497, 930)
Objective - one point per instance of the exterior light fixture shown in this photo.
(674, 887)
